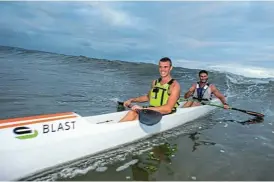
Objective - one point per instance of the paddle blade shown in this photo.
(241, 110)
(149, 117)
(255, 114)
(249, 112)
(120, 106)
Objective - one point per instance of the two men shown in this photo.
(164, 94)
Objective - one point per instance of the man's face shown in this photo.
(203, 77)
(164, 68)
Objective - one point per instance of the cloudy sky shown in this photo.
(216, 34)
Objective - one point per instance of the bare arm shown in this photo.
(218, 94)
(143, 98)
(175, 91)
(189, 92)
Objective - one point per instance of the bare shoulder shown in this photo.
(213, 88)
(153, 83)
(175, 86)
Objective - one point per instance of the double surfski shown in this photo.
(26, 143)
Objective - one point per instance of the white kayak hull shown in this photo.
(38, 143)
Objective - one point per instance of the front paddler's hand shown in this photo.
(136, 108)
(127, 103)
(226, 106)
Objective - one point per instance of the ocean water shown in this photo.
(224, 145)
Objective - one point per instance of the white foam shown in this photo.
(126, 165)
(234, 68)
(114, 99)
(244, 70)
(238, 79)
(101, 169)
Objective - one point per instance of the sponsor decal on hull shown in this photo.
(56, 127)
(24, 132)
(52, 123)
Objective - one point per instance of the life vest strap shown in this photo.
(201, 99)
(160, 79)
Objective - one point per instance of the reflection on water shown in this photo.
(255, 120)
(159, 155)
(197, 143)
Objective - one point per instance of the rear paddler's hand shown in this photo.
(226, 106)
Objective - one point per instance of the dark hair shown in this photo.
(166, 59)
(203, 71)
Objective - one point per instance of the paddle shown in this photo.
(146, 116)
(232, 108)
(236, 109)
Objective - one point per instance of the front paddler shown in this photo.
(163, 96)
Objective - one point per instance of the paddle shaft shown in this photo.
(221, 106)
(236, 109)
(232, 108)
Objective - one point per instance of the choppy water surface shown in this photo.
(224, 145)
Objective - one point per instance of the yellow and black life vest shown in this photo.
(159, 94)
